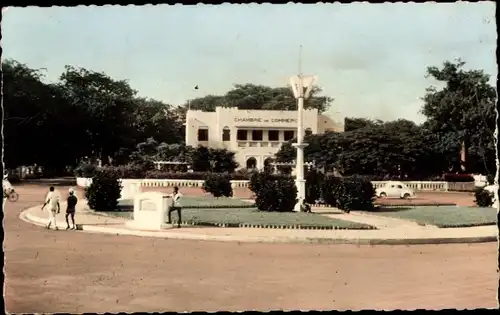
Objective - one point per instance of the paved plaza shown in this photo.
(74, 271)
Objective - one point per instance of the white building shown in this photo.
(254, 135)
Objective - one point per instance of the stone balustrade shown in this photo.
(181, 183)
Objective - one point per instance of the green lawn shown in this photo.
(236, 216)
(189, 202)
(443, 216)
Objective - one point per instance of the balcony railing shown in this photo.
(259, 144)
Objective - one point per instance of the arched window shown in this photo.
(308, 132)
(268, 166)
(251, 163)
(226, 134)
(268, 161)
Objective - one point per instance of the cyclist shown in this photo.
(7, 187)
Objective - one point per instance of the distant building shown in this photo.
(254, 135)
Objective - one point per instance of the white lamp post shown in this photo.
(299, 83)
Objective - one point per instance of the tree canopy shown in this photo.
(85, 114)
(463, 110)
(89, 114)
(260, 97)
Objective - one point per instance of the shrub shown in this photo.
(257, 179)
(355, 194)
(329, 190)
(222, 161)
(256, 182)
(314, 182)
(131, 170)
(85, 170)
(484, 198)
(104, 192)
(275, 193)
(219, 185)
(348, 193)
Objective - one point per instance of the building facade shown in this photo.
(254, 135)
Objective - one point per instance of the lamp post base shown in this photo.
(300, 182)
(301, 194)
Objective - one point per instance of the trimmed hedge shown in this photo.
(348, 193)
(329, 190)
(314, 183)
(140, 171)
(219, 185)
(104, 192)
(274, 193)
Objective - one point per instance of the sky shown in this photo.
(371, 58)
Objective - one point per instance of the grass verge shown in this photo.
(251, 217)
(443, 216)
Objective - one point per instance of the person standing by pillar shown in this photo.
(176, 206)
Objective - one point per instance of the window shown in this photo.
(257, 135)
(203, 134)
(241, 135)
(308, 132)
(251, 163)
(226, 134)
(274, 135)
(289, 135)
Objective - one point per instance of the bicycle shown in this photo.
(11, 195)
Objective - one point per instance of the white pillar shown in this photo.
(299, 168)
(298, 84)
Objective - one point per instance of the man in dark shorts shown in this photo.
(71, 208)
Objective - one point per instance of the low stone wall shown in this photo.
(83, 181)
(163, 183)
(182, 183)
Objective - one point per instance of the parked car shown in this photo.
(394, 189)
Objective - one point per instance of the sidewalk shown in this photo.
(390, 231)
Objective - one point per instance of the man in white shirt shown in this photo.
(175, 206)
(54, 207)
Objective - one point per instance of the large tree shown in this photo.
(86, 114)
(396, 148)
(105, 106)
(38, 121)
(463, 110)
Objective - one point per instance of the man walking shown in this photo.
(71, 208)
(54, 208)
(175, 206)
